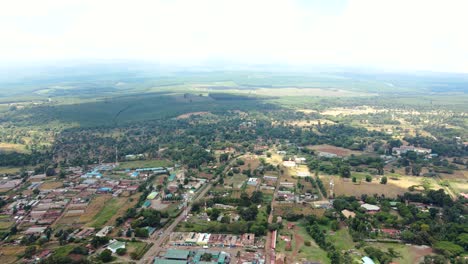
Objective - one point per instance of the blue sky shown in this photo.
(396, 34)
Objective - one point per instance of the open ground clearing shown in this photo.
(299, 251)
(143, 164)
(342, 152)
(9, 254)
(393, 188)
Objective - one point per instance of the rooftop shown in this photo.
(177, 254)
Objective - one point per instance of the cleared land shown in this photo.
(143, 164)
(342, 152)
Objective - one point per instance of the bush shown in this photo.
(383, 180)
(308, 243)
(121, 251)
(368, 178)
(106, 255)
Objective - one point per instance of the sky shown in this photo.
(394, 34)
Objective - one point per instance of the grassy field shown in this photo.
(95, 207)
(143, 164)
(9, 254)
(107, 212)
(9, 170)
(50, 185)
(409, 254)
(299, 250)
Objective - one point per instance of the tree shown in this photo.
(29, 251)
(206, 257)
(121, 251)
(141, 232)
(416, 169)
(383, 180)
(448, 248)
(368, 178)
(50, 171)
(80, 250)
(106, 255)
(36, 191)
(354, 179)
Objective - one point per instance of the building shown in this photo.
(115, 244)
(177, 254)
(323, 154)
(252, 181)
(289, 163)
(367, 260)
(348, 214)
(300, 160)
(152, 195)
(104, 231)
(404, 149)
(370, 207)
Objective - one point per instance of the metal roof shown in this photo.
(177, 254)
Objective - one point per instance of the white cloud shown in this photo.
(416, 34)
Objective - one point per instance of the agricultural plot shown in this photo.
(94, 208)
(9, 253)
(395, 185)
(135, 164)
(292, 248)
(341, 152)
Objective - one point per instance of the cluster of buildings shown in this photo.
(404, 149)
(287, 196)
(202, 256)
(214, 240)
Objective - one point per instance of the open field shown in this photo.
(107, 212)
(285, 209)
(351, 111)
(143, 164)
(10, 147)
(50, 185)
(409, 253)
(8, 254)
(299, 251)
(122, 205)
(236, 181)
(94, 208)
(342, 152)
(394, 187)
(187, 115)
(9, 170)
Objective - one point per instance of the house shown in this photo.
(303, 174)
(177, 254)
(115, 244)
(370, 207)
(152, 195)
(289, 163)
(367, 260)
(104, 231)
(404, 149)
(348, 214)
(252, 181)
(300, 160)
(390, 232)
(323, 154)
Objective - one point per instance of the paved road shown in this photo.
(158, 239)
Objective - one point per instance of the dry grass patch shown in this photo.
(50, 185)
(9, 254)
(342, 152)
(96, 205)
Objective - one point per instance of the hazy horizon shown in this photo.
(397, 36)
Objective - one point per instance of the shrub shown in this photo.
(121, 251)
